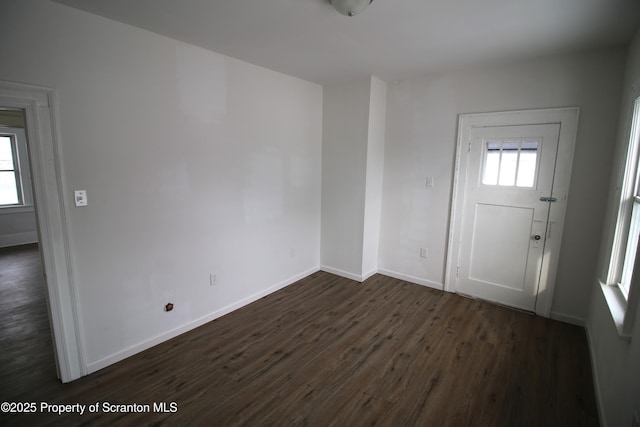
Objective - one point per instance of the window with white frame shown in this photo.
(625, 249)
(15, 179)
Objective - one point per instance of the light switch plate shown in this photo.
(80, 197)
(429, 182)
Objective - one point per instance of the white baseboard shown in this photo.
(412, 279)
(594, 374)
(369, 274)
(567, 318)
(18, 239)
(574, 320)
(342, 273)
(144, 345)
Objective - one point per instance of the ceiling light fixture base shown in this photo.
(350, 7)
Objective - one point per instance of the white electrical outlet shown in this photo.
(213, 279)
(429, 182)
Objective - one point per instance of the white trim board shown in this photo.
(594, 374)
(342, 273)
(384, 272)
(411, 279)
(17, 239)
(146, 344)
(369, 274)
(567, 318)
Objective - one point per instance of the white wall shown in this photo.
(421, 137)
(344, 156)
(194, 163)
(18, 228)
(616, 362)
(374, 176)
(352, 168)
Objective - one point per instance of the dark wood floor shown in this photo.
(26, 349)
(327, 351)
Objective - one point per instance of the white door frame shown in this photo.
(568, 120)
(39, 105)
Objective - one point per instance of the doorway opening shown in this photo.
(38, 107)
(27, 358)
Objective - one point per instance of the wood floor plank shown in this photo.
(328, 351)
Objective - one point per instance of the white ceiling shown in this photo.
(392, 39)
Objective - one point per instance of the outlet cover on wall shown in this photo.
(424, 252)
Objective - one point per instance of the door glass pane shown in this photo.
(8, 189)
(6, 153)
(491, 163)
(527, 164)
(509, 163)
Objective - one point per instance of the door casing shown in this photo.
(40, 108)
(567, 118)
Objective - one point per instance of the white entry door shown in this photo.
(512, 176)
(507, 196)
